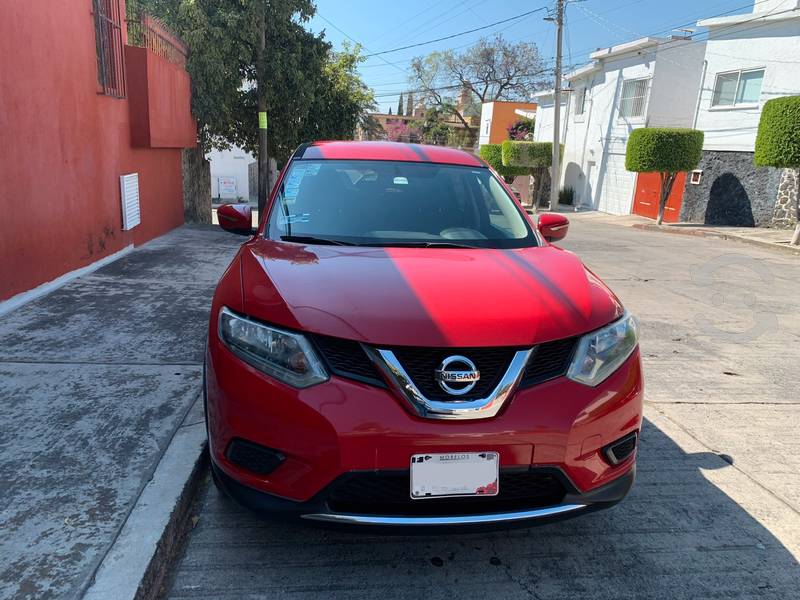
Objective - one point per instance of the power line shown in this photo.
(458, 85)
(448, 37)
(355, 41)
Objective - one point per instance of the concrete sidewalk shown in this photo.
(95, 380)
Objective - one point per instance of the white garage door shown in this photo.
(616, 191)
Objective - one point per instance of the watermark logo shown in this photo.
(735, 297)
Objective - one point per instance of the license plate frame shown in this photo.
(454, 475)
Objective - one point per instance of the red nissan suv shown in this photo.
(399, 344)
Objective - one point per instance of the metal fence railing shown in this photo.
(148, 32)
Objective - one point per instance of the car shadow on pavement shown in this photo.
(677, 535)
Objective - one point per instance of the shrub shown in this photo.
(566, 195)
(492, 154)
(778, 141)
(778, 138)
(520, 130)
(532, 155)
(663, 150)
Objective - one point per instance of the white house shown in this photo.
(647, 82)
(229, 174)
(749, 59)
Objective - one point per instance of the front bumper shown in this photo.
(343, 426)
(319, 508)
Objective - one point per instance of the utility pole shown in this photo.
(556, 168)
(263, 156)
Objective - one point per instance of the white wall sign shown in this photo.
(227, 185)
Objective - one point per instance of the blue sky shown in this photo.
(590, 24)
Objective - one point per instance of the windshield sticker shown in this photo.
(400, 181)
(290, 219)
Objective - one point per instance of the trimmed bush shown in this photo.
(663, 150)
(529, 155)
(778, 138)
(492, 154)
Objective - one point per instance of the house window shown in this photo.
(487, 124)
(634, 98)
(737, 87)
(580, 102)
(108, 40)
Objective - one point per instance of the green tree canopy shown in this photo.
(530, 155)
(493, 155)
(778, 138)
(663, 150)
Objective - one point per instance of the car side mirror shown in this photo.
(553, 226)
(236, 218)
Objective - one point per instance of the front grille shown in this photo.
(347, 358)
(388, 494)
(420, 364)
(548, 361)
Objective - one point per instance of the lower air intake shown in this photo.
(254, 457)
(618, 451)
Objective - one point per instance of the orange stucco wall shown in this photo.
(503, 115)
(63, 147)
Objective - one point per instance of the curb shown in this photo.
(720, 236)
(137, 563)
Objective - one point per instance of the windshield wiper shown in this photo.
(310, 239)
(424, 245)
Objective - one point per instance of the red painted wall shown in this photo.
(63, 147)
(159, 94)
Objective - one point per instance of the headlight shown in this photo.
(601, 352)
(284, 355)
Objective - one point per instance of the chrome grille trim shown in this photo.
(481, 408)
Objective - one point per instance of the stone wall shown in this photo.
(196, 186)
(785, 214)
(732, 191)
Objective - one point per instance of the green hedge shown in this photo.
(778, 138)
(528, 155)
(663, 149)
(492, 154)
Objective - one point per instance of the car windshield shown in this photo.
(384, 203)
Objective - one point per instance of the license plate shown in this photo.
(452, 475)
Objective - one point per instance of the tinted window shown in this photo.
(396, 203)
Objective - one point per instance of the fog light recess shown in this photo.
(254, 457)
(618, 451)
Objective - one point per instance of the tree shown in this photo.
(490, 70)
(493, 155)
(433, 130)
(535, 158)
(400, 106)
(778, 143)
(247, 56)
(666, 151)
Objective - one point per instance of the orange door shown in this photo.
(648, 191)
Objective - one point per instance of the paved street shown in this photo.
(715, 512)
(95, 379)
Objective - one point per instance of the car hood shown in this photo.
(425, 296)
